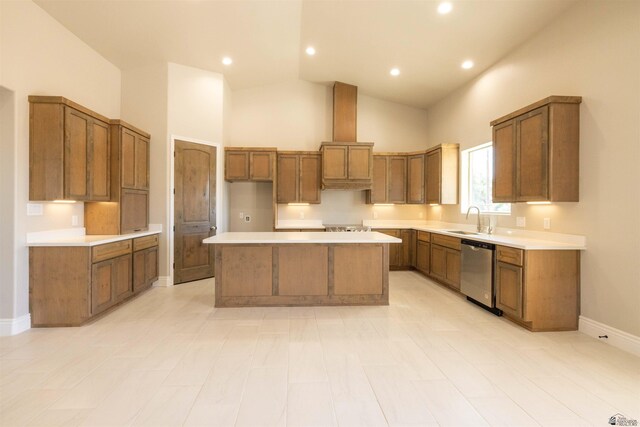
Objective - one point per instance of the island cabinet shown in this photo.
(423, 252)
(389, 179)
(128, 211)
(347, 165)
(249, 163)
(441, 164)
(445, 259)
(69, 148)
(69, 285)
(298, 175)
(539, 289)
(536, 152)
(415, 178)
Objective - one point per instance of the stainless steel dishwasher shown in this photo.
(478, 259)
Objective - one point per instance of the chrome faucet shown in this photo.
(478, 209)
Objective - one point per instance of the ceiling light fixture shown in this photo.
(467, 64)
(395, 72)
(227, 61)
(310, 51)
(445, 7)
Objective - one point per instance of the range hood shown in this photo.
(346, 164)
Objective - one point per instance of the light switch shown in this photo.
(521, 221)
(34, 209)
(74, 220)
(241, 215)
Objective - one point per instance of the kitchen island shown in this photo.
(301, 268)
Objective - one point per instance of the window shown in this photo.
(476, 180)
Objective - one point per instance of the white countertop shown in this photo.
(300, 237)
(309, 224)
(76, 237)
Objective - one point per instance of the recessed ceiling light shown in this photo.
(310, 51)
(467, 64)
(395, 72)
(445, 7)
(226, 60)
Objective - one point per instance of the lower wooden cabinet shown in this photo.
(110, 282)
(423, 255)
(445, 265)
(400, 255)
(145, 268)
(508, 287)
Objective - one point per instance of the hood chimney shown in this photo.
(345, 108)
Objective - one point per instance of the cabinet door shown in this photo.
(423, 254)
(261, 166)
(309, 185)
(509, 289)
(397, 182)
(102, 286)
(76, 155)
(453, 268)
(395, 249)
(123, 287)
(434, 174)
(287, 182)
(360, 162)
(378, 192)
(504, 157)
(134, 211)
(139, 270)
(334, 162)
(100, 165)
(236, 165)
(142, 163)
(415, 179)
(127, 158)
(438, 266)
(532, 155)
(151, 265)
(406, 248)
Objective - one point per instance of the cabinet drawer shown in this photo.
(446, 241)
(110, 250)
(145, 242)
(509, 255)
(424, 236)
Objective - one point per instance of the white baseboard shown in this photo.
(163, 281)
(617, 338)
(15, 325)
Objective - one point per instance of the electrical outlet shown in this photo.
(521, 221)
(547, 223)
(34, 209)
(375, 215)
(241, 215)
(247, 218)
(301, 215)
(74, 220)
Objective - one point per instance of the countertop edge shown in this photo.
(82, 240)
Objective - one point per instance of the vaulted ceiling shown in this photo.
(357, 41)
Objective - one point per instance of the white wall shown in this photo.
(297, 115)
(41, 57)
(591, 51)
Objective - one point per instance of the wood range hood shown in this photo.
(346, 163)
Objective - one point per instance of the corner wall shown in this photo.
(591, 51)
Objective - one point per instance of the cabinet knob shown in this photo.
(213, 227)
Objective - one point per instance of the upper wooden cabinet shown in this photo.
(415, 178)
(347, 165)
(389, 179)
(536, 152)
(298, 177)
(133, 147)
(69, 148)
(345, 105)
(249, 164)
(441, 164)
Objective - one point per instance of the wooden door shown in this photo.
(532, 155)
(261, 166)
(102, 282)
(334, 162)
(509, 289)
(397, 184)
(76, 155)
(423, 253)
(359, 162)
(438, 264)
(433, 174)
(194, 211)
(378, 192)
(415, 179)
(309, 185)
(504, 159)
(123, 286)
(453, 267)
(236, 165)
(100, 165)
(287, 182)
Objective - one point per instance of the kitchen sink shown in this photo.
(466, 233)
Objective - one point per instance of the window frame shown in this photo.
(465, 180)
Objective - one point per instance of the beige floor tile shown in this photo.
(359, 413)
(271, 350)
(59, 418)
(448, 405)
(194, 366)
(169, 406)
(264, 402)
(501, 411)
(310, 404)
(306, 362)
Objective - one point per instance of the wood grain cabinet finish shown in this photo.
(445, 263)
(423, 256)
(145, 268)
(298, 177)
(415, 178)
(508, 284)
(347, 165)
(69, 149)
(110, 283)
(389, 183)
(249, 164)
(345, 104)
(536, 152)
(128, 211)
(441, 173)
(400, 255)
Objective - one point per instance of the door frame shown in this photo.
(170, 196)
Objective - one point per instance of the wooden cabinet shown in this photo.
(145, 262)
(110, 283)
(129, 211)
(298, 177)
(345, 105)
(441, 164)
(400, 254)
(69, 148)
(249, 164)
(445, 259)
(347, 165)
(508, 284)
(415, 178)
(389, 179)
(536, 152)
(423, 252)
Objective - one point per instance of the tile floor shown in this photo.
(429, 358)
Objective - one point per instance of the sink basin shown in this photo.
(466, 233)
